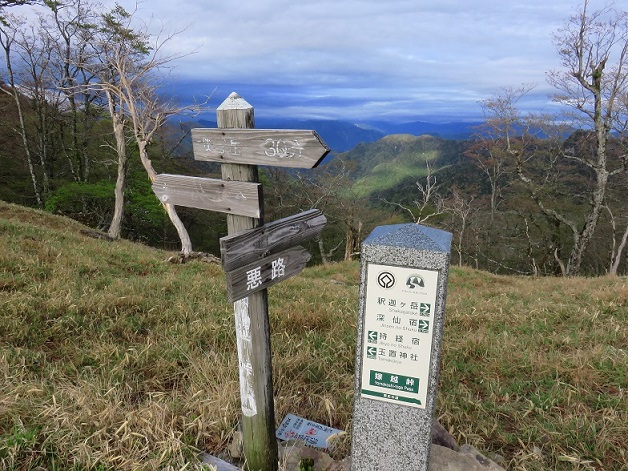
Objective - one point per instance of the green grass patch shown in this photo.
(389, 174)
(111, 358)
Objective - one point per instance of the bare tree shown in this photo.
(502, 136)
(68, 32)
(53, 109)
(12, 3)
(9, 32)
(130, 70)
(593, 47)
(618, 247)
(430, 203)
(324, 189)
(461, 208)
(326, 193)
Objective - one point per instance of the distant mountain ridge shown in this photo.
(342, 136)
(394, 163)
(455, 130)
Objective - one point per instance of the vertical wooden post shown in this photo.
(251, 320)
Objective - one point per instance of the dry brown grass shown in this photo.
(536, 369)
(112, 359)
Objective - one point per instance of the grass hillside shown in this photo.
(383, 165)
(113, 359)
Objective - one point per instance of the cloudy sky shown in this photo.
(360, 59)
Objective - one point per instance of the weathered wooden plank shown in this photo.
(251, 320)
(248, 279)
(219, 464)
(241, 198)
(293, 148)
(244, 248)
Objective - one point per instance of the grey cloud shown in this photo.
(368, 54)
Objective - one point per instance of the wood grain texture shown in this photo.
(251, 318)
(231, 197)
(262, 274)
(247, 247)
(292, 148)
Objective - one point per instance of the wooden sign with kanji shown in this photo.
(254, 256)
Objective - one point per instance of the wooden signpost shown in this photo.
(280, 148)
(254, 256)
(208, 193)
(259, 258)
(256, 276)
(241, 249)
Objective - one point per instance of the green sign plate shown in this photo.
(397, 338)
(394, 381)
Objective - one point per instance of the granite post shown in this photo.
(400, 327)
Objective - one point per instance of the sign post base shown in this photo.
(400, 324)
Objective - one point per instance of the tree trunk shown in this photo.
(22, 129)
(597, 196)
(352, 245)
(118, 212)
(321, 249)
(184, 237)
(326, 256)
(582, 240)
(616, 258)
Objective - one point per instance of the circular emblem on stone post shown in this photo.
(415, 281)
(386, 279)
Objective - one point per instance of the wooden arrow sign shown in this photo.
(248, 279)
(247, 247)
(279, 148)
(230, 197)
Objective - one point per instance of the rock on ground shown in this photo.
(445, 455)
(441, 459)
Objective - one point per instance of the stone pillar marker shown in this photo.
(404, 270)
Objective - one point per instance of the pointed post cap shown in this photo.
(235, 112)
(410, 236)
(234, 102)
